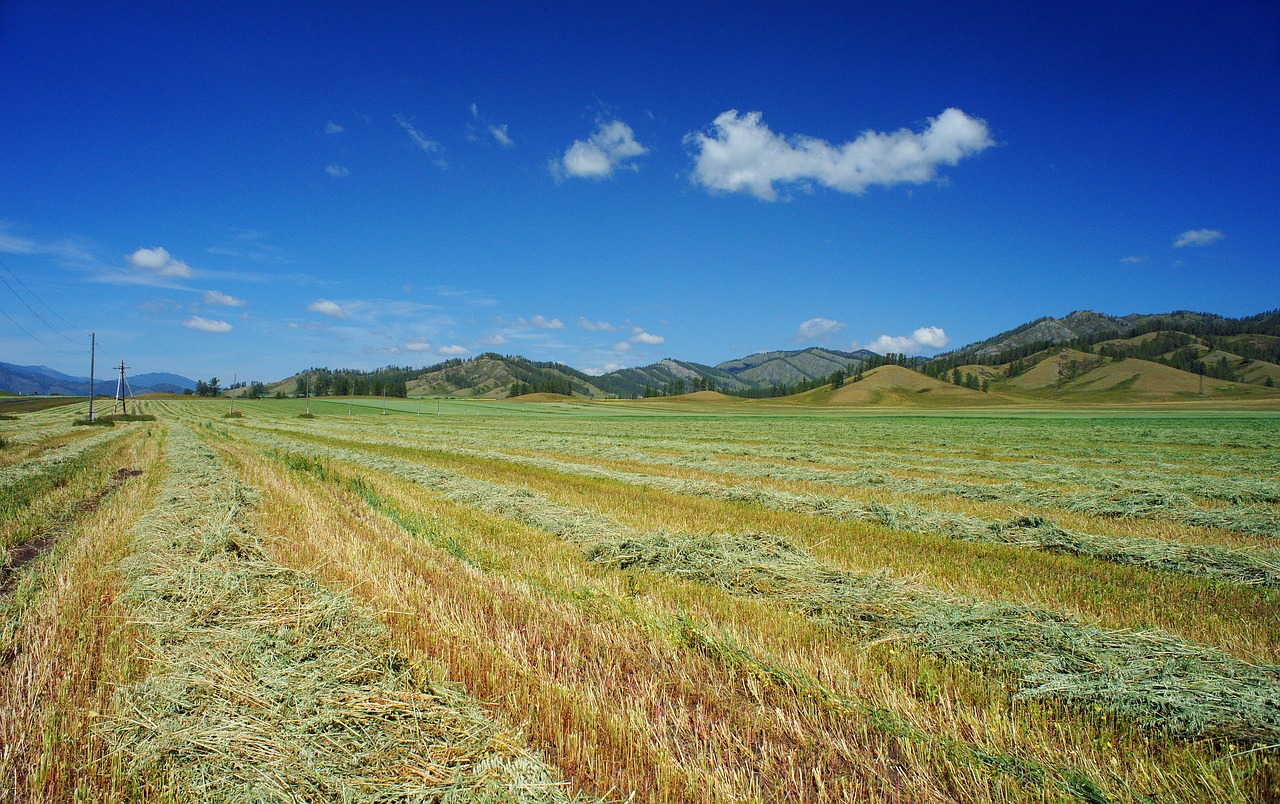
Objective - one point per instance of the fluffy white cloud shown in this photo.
(622, 346)
(815, 329)
(495, 339)
(159, 262)
(595, 326)
(205, 325)
(923, 338)
(332, 128)
(541, 322)
(219, 299)
(740, 154)
(327, 307)
(337, 171)
(611, 147)
(418, 346)
(647, 338)
(454, 351)
(1197, 237)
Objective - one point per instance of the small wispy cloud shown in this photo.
(327, 308)
(923, 338)
(816, 329)
(332, 128)
(337, 171)
(622, 346)
(498, 131)
(219, 299)
(454, 350)
(1135, 260)
(496, 339)
(542, 322)
(420, 139)
(611, 147)
(418, 346)
(740, 154)
(595, 326)
(159, 262)
(1197, 237)
(500, 134)
(206, 325)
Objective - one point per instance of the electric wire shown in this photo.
(35, 296)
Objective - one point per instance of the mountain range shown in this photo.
(44, 380)
(1079, 350)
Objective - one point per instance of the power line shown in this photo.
(18, 279)
(37, 340)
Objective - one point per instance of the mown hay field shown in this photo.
(460, 601)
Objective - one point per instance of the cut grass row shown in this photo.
(386, 562)
(1051, 654)
(264, 685)
(1248, 567)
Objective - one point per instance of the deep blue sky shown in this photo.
(249, 189)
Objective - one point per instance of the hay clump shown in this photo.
(268, 687)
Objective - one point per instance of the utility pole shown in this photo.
(231, 408)
(123, 392)
(384, 399)
(93, 347)
(306, 391)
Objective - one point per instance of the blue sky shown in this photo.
(248, 189)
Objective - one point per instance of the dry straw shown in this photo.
(268, 687)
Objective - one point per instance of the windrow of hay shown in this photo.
(1095, 496)
(1153, 678)
(1091, 470)
(1134, 493)
(53, 460)
(267, 687)
(1254, 567)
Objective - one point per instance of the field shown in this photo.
(650, 601)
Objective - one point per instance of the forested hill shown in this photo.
(1234, 349)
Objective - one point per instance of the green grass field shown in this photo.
(663, 600)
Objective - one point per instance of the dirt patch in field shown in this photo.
(30, 550)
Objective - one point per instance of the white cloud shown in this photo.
(815, 329)
(219, 299)
(454, 350)
(596, 371)
(332, 128)
(327, 307)
(418, 346)
(609, 148)
(541, 322)
(1135, 260)
(1197, 237)
(649, 339)
(500, 134)
(923, 338)
(740, 154)
(595, 326)
(159, 262)
(622, 346)
(495, 339)
(205, 325)
(419, 139)
(337, 171)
